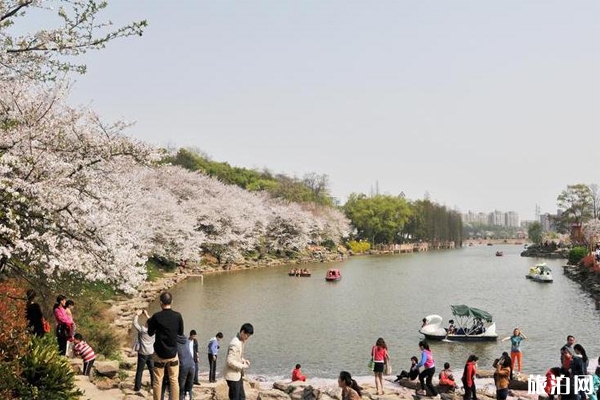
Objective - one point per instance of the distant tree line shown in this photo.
(485, 231)
(394, 219)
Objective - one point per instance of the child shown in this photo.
(297, 374)
(446, 377)
(69, 311)
(84, 350)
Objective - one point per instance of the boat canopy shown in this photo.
(462, 310)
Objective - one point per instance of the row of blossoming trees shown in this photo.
(79, 196)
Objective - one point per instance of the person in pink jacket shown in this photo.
(64, 323)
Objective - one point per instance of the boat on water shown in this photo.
(540, 273)
(469, 325)
(333, 275)
(499, 253)
(300, 274)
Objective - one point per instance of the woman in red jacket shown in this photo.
(468, 378)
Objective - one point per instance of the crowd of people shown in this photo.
(173, 358)
(574, 364)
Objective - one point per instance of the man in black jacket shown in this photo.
(165, 326)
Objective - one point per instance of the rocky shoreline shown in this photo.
(588, 279)
(313, 389)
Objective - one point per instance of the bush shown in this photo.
(576, 254)
(42, 373)
(359, 247)
(13, 325)
(589, 261)
(95, 327)
(329, 245)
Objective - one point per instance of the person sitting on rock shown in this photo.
(411, 374)
(297, 374)
(447, 377)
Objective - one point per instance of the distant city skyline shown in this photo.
(483, 105)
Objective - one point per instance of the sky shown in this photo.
(482, 104)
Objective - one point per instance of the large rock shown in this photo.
(303, 392)
(108, 369)
(272, 394)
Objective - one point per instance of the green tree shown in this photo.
(432, 222)
(576, 201)
(535, 232)
(378, 219)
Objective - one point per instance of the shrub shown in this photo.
(46, 373)
(576, 254)
(41, 373)
(589, 261)
(359, 247)
(13, 325)
(329, 245)
(95, 327)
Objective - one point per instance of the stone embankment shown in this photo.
(588, 279)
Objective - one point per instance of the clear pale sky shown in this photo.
(485, 104)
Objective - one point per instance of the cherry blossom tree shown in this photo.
(59, 188)
(73, 27)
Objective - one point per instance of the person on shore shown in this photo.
(213, 351)
(85, 351)
(569, 345)
(596, 384)
(507, 357)
(186, 372)
(69, 306)
(412, 374)
(236, 364)
(566, 355)
(33, 313)
(551, 382)
(193, 342)
(468, 378)
(350, 389)
(579, 366)
(145, 351)
(502, 377)
(380, 358)
(428, 364)
(515, 348)
(63, 324)
(165, 325)
(297, 374)
(447, 377)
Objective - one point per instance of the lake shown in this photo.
(328, 327)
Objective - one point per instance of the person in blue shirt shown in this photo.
(213, 350)
(515, 348)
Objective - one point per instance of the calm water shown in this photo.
(328, 327)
